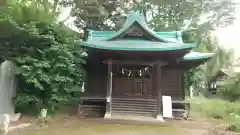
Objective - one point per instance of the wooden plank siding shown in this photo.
(140, 87)
(173, 84)
(96, 82)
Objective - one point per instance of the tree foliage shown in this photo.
(195, 18)
(48, 67)
(230, 90)
(162, 15)
(94, 14)
(221, 59)
(204, 74)
(48, 64)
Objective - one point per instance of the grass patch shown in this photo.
(218, 109)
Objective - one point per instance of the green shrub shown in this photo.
(231, 89)
(234, 127)
(218, 109)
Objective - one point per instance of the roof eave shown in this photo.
(94, 46)
(204, 57)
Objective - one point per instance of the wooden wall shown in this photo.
(96, 84)
(172, 84)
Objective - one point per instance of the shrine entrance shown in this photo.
(132, 82)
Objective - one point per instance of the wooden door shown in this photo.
(147, 87)
(133, 87)
(137, 87)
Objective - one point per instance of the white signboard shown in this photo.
(167, 106)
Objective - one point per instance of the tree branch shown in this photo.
(55, 4)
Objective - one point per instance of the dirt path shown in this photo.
(76, 126)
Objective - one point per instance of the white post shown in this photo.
(191, 91)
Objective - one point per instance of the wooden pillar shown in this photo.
(109, 91)
(159, 90)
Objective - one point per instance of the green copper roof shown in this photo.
(147, 41)
(174, 36)
(154, 41)
(197, 56)
(136, 45)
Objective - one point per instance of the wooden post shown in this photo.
(159, 91)
(109, 91)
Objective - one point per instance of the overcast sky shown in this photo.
(228, 37)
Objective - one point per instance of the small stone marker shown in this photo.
(43, 113)
(4, 123)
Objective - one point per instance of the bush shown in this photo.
(234, 127)
(231, 89)
(218, 109)
(210, 108)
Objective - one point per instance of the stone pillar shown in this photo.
(109, 91)
(159, 91)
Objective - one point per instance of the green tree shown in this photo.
(230, 90)
(48, 64)
(162, 15)
(95, 14)
(208, 70)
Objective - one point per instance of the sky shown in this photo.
(228, 37)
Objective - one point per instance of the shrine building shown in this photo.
(129, 70)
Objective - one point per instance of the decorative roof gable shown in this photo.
(135, 26)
